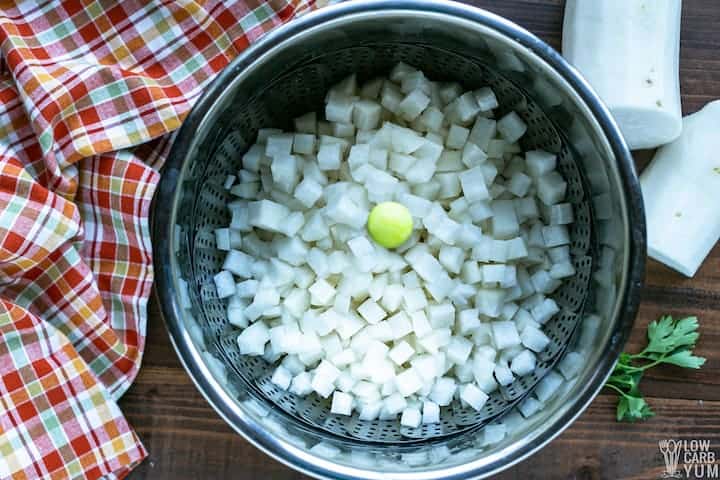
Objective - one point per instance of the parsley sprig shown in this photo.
(669, 341)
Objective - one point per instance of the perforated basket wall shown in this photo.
(303, 90)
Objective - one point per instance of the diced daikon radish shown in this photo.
(278, 144)
(341, 403)
(267, 215)
(473, 396)
(308, 192)
(489, 301)
(301, 384)
(505, 334)
(413, 105)
(473, 185)
(371, 311)
(410, 418)
(252, 340)
(551, 188)
(555, 235)
(503, 374)
(519, 184)
(321, 292)
(408, 382)
(504, 221)
(511, 127)
(523, 363)
(486, 99)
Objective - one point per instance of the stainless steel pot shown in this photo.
(287, 73)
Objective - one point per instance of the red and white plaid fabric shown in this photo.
(90, 92)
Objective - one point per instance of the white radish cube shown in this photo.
(282, 377)
(543, 282)
(308, 192)
(440, 225)
(480, 210)
(431, 119)
(534, 339)
(523, 363)
(430, 412)
(561, 214)
(252, 340)
(297, 302)
(519, 184)
(516, 248)
(526, 208)
(414, 299)
(544, 311)
(442, 315)
(318, 262)
(449, 185)
(222, 239)
(493, 274)
(468, 320)
(450, 161)
(279, 144)
(401, 163)
(306, 123)
(457, 136)
(471, 272)
(267, 215)
(540, 162)
(301, 384)
(326, 323)
(339, 108)
(410, 418)
(346, 212)
(411, 280)
(408, 382)
(483, 130)
(342, 403)
(359, 155)
(486, 99)
(464, 108)
(504, 221)
(548, 386)
(378, 157)
(426, 266)
(440, 287)
(450, 91)
(304, 143)
(229, 181)
(329, 156)
(392, 297)
(473, 184)
(468, 235)
(361, 246)
(246, 191)
(570, 365)
(435, 340)
(443, 391)
(254, 157)
(390, 97)
(529, 407)
(343, 130)
(458, 350)
(238, 263)
(370, 411)
(496, 148)
(420, 323)
(321, 293)
(294, 222)
(366, 114)
(292, 250)
(451, 258)
(415, 81)
(413, 104)
(395, 404)
(489, 301)
(511, 127)
(345, 382)
(473, 396)
(562, 270)
(400, 325)
(371, 312)
(405, 140)
(493, 434)
(555, 235)
(551, 188)
(401, 353)
(472, 155)
(505, 335)
(503, 374)
(246, 289)
(224, 284)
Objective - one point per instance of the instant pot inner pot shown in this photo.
(293, 80)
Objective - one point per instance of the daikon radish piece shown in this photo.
(628, 50)
(681, 191)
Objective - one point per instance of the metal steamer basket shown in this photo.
(287, 73)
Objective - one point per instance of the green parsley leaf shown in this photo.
(670, 342)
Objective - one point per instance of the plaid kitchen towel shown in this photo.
(90, 93)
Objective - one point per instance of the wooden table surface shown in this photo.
(188, 440)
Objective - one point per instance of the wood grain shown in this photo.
(187, 440)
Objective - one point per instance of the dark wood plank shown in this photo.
(187, 440)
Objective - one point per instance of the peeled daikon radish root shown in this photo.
(628, 50)
(681, 190)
